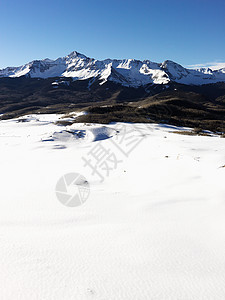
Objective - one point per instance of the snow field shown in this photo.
(153, 229)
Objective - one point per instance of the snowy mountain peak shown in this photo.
(76, 54)
(171, 65)
(128, 72)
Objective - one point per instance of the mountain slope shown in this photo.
(127, 72)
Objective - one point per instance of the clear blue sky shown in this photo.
(186, 31)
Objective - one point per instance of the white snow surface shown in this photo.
(153, 229)
(128, 72)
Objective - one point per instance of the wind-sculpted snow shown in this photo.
(128, 72)
(80, 134)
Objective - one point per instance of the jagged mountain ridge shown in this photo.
(127, 72)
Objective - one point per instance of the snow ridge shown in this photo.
(128, 72)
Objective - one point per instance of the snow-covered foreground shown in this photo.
(154, 228)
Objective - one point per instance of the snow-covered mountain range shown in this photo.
(128, 72)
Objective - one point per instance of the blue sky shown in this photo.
(188, 32)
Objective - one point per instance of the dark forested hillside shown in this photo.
(195, 106)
